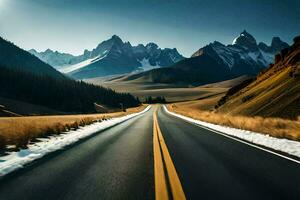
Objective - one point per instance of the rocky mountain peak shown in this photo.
(245, 39)
(48, 51)
(277, 44)
(243, 52)
(116, 38)
(120, 55)
(151, 46)
(216, 43)
(32, 51)
(116, 41)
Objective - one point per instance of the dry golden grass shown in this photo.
(19, 131)
(207, 103)
(277, 127)
(172, 92)
(278, 95)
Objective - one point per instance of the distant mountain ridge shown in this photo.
(53, 58)
(244, 56)
(218, 62)
(16, 58)
(112, 56)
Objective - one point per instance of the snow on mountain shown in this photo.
(146, 65)
(243, 51)
(110, 55)
(53, 58)
(154, 56)
(268, 57)
(70, 68)
(216, 62)
(245, 40)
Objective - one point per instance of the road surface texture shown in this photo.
(211, 166)
(118, 163)
(114, 164)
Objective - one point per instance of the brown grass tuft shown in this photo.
(19, 131)
(277, 127)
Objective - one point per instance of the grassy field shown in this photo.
(202, 110)
(172, 92)
(19, 131)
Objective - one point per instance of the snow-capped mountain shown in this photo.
(112, 56)
(217, 62)
(53, 58)
(244, 55)
(156, 56)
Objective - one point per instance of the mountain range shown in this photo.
(112, 56)
(217, 62)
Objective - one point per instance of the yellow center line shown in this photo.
(161, 192)
(175, 184)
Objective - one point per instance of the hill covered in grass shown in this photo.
(274, 92)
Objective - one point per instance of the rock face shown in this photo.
(112, 56)
(217, 62)
(246, 40)
(276, 46)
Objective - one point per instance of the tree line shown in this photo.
(152, 100)
(60, 94)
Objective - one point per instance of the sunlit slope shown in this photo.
(275, 92)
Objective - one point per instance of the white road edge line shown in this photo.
(231, 137)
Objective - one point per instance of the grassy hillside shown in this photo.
(275, 92)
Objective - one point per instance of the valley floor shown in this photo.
(172, 92)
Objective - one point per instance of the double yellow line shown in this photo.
(165, 175)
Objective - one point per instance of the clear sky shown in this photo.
(74, 25)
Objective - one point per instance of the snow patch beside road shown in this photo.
(284, 145)
(16, 160)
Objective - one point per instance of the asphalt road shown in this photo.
(118, 164)
(211, 166)
(114, 164)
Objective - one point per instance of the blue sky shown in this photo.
(74, 25)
